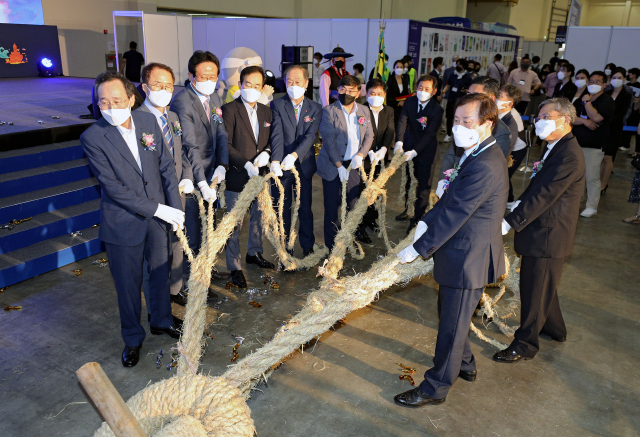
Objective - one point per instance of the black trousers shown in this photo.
(332, 194)
(540, 311)
(450, 113)
(517, 156)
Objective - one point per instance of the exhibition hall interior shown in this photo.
(336, 218)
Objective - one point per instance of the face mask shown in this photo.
(207, 88)
(594, 89)
(502, 104)
(525, 66)
(560, 75)
(544, 128)
(250, 95)
(465, 137)
(339, 64)
(295, 92)
(616, 83)
(423, 96)
(115, 117)
(405, 70)
(607, 71)
(399, 71)
(581, 83)
(160, 98)
(375, 101)
(459, 69)
(346, 99)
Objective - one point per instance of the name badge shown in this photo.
(584, 116)
(454, 89)
(521, 82)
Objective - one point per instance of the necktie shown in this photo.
(206, 109)
(420, 108)
(166, 132)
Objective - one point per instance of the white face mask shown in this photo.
(250, 95)
(115, 117)
(375, 101)
(295, 92)
(405, 70)
(581, 82)
(544, 128)
(423, 96)
(399, 71)
(160, 98)
(207, 88)
(502, 104)
(594, 89)
(465, 137)
(616, 83)
(607, 71)
(560, 75)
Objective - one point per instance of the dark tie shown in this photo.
(420, 107)
(166, 132)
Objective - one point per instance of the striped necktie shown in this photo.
(166, 132)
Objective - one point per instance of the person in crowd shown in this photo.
(552, 79)
(417, 137)
(296, 121)
(565, 86)
(504, 102)
(385, 75)
(609, 69)
(582, 77)
(633, 117)
(512, 66)
(622, 98)
(317, 74)
(477, 70)
(527, 81)
(462, 233)
(139, 208)
(509, 97)
(248, 124)
(535, 64)
(157, 83)
(591, 129)
(347, 136)
(456, 87)
(634, 196)
(397, 86)
(553, 61)
(448, 72)
(331, 77)
(411, 72)
(538, 96)
(471, 69)
(545, 219)
(132, 62)
(384, 129)
(205, 143)
(496, 70)
(357, 72)
(438, 63)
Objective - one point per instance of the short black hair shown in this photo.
(146, 71)
(469, 62)
(428, 78)
(619, 70)
(513, 92)
(407, 58)
(437, 61)
(583, 71)
(349, 80)
(599, 73)
(199, 57)
(490, 86)
(317, 55)
(133, 45)
(108, 76)
(555, 53)
(535, 59)
(611, 65)
(463, 63)
(376, 83)
(635, 71)
(250, 70)
(386, 57)
(498, 57)
(358, 67)
(570, 68)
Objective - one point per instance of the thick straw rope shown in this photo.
(408, 202)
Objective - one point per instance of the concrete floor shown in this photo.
(344, 384)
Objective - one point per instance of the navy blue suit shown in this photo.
(288, 136)
(464, 236)
(131, 234)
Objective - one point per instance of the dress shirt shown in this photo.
(376, 112)
(549, 147)
(297, 108)
(317, 73)
(253, 118)
(467, 152)
(155, 112)
(550, 83)
(421, 105)
(519, 143)
(202, 97)
(129, 136)
(524, 80)
(353, 132)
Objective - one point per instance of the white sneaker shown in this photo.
(588, 212)
(447, 139)
(624, 149)
(510, 205)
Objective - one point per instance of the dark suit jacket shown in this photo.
(435, 74)
(205, 141)
(242, 143)
(384, 131)
(393, 90)
(465, 232)
(130, 197)
(510, 122)
(287, 136)
(568, 90)
(545, 221)
(410, 131)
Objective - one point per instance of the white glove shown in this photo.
(186, 185)
(420, 230)
(219, 173)
(515, 205)
(373, 157)
(276, 170)
(505, 227)
(407, 255)
(410, 155)
(173, 216)
(288, 162)
(398, 147)
(356, 162)
(381, 153)
(440, 189)
(261, 160)
(208, 194)
(343, 173)
(251, 169)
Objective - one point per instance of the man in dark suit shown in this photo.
(545, 218)
(347, 136)
(510, 96)
(438, 63)
(456, 86)
(462, 233)
(296, 121)
(248, 124)
(140, 198)
(416, 135)
(205, 142)
(383, 135)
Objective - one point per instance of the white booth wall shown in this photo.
(594, 47)
(168, 39)
(540, 48)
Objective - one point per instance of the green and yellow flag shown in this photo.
(381, 69)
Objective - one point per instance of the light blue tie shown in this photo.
(166, 132)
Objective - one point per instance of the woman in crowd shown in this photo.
(397, 85)
(609, 69)
(622, 97)
(582, 77)
(565, 88)
(634, 196)
(505, 76)
(357, 72)
(634, 115)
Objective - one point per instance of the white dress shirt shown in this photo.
(353, 132)
(253, 118)
(376, 112)
(129, 136)
(297, 108)
(549, 147)
(317, 72)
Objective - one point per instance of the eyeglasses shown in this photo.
(546, 117)
(116, 104)
(595, 82)
(158, 86)
(212, 78)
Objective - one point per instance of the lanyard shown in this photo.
(474, 153)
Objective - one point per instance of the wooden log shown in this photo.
(108, 401)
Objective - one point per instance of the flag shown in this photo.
(381, 69)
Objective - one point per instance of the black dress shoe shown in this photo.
(130, 356)
(402, 216)
(363, 237)
(554, 338)
(258, 260)
(172, 331)
(508, 356)
(415, 398)
(175, 319)
(307, 252)
(180, 298)
(237, 278)
(468, 376)
(215, 274)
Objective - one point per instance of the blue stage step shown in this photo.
(26, 159)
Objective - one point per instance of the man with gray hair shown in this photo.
(545, 218)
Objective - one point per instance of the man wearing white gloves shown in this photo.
(140, 206)
(248, 124)
(296, 121)
(347, 136)
(462, 233)
(204, 140)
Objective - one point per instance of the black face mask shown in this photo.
(339, 64)
(525, 66)
(346, 99)
(459, 69)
